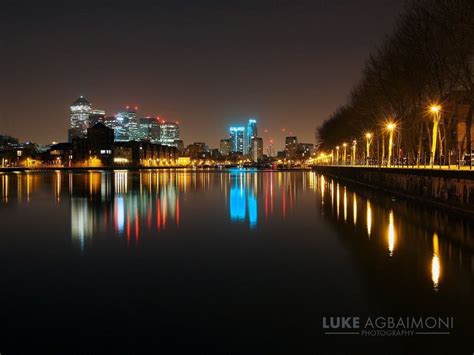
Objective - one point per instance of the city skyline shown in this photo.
(245, 60)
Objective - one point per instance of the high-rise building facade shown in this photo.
(79, 118)
(149, 129)
(251, 133)
(237, 138)
(256, 149)
(122, 123)
(225, 147)
(291, 147)
(96, 116)
(169, 133)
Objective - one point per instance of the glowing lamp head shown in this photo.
(337, 147)
(368, 135)
(391, 126)
(435, 109)
(344, 145)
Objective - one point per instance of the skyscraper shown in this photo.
(149, 129)
(169, 133)
(122, 123)
(95, 117)
(80, 111)
(251, 133)
(256, 149)
(237, 138)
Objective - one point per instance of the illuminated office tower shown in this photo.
(80, 111)
(149, 129)
(169, 133)
(251, 133)
(256, 149)
(122, 124)
(225, 147)
(95, 117)
(237, 138)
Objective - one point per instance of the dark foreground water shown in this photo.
(224, 262)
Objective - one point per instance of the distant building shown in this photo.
(251, 133)
(214, 153)
(225, 147)
(80, 111)
(291, 147)
(7, 141)
(237, 137)
(305, 150)
(256, 149)
(169, 133)
(197, 150)
(179, 144)
(96, 116)
(149, 129)
(126, 125)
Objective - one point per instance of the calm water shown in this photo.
(227, 262)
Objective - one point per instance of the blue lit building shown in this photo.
(237, 139)
(251, 133)
(243, 200)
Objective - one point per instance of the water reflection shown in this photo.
(128, 206)
(369, 218)
(435, 263)
(391, 233)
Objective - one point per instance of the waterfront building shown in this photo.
(251, 133)
(291, 147)
(256, 149)
(134, 153)
(237, 137)
(80, 111)
(100, 141)
(197, 150)
(225, 147)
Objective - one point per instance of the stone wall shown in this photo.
(453, 188)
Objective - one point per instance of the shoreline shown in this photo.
(143, 168)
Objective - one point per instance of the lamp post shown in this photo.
(368, 137)
(435, 110)
(344, 157)
(354, 145)
(337, 155)
(390, 128)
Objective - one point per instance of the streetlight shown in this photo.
(354, 145)
(344, 145)
(337, 155)
(390, 128)
(435, 110)
(368, 136)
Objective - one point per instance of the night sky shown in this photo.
(206, 64)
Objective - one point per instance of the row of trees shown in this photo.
(429, 59)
